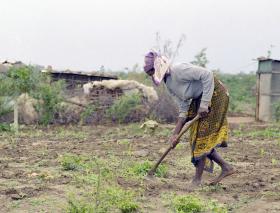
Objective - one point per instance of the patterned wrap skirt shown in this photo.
(212, 131)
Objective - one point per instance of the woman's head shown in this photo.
(156, 66)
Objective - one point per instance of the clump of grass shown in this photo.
(78, 206)
(192, 203)
(108, 200)
(70, 162)
(122, 199)
(187, 204)
(142, 169)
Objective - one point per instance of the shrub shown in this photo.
(122, 107)
(50, 95)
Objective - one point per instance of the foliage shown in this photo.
(269, 132)
(5, 127)
(142, 169)
(192, 204)
(276, 111)
(50, 95)
(29, 79)
(111, 198)
(19, 80)
(241, 93)
(187, 204)
(87, 112)
(70, 162)
(122, 107)
(201, 58)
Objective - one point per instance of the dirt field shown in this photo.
(33, 179)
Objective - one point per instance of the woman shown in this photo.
(196, 91)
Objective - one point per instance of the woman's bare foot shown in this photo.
(227, 171)
(196, 182)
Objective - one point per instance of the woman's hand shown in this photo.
(174, 141)
(203, 111)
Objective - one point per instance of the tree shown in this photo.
(16, 81)
(201, 58)
(28, 79)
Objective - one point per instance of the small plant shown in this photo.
(75, 206)
(142, 169)
(276, 109)
(120, 198)
(5, 127)
(187, 204)
(274, 161)
(70, 162)
(215, 207)
(86, 113)
(122, 107)
(262, 152)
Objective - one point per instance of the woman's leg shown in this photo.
(227, 169)
(199, 171)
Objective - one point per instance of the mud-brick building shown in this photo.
(268, 88)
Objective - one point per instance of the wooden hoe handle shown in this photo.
(185, 128)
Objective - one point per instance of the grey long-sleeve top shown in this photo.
(186, 82)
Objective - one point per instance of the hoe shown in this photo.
(185, 128)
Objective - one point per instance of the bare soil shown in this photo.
(31, 178)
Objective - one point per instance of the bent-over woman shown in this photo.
(196, 91)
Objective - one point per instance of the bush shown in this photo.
(122, 107)
(50, 95)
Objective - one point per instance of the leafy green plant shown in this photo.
(193, 204)
(122, 107)
(78, 206)
(109, 199)
(50, 95)
(70, 162)
(86, 113)
(5, 127)
(142, 169)
(187, 204)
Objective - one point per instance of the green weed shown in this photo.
(70, 162)
(108, 200)
(187, 204)
(142, 169)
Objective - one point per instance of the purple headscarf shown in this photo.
(149, 61)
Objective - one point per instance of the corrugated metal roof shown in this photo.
(91, 73)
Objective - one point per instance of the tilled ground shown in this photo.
(32, 179)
